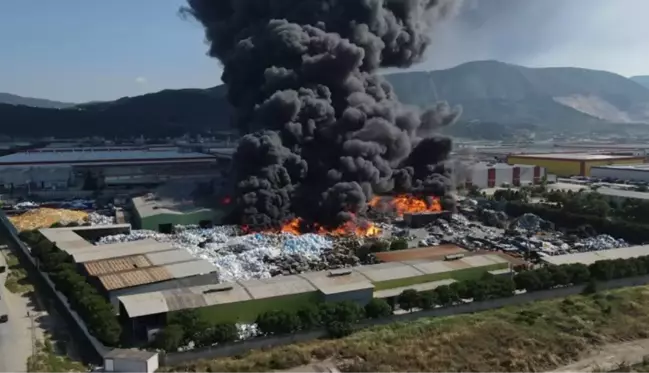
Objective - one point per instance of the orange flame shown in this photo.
(404, 204)
(352, 227)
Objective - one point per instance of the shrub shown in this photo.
(377, 308)
(169, 339)
(408, 299)
(278, 322)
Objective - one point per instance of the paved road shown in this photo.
(16, 334)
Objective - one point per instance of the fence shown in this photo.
(91, 350)
(242, 347)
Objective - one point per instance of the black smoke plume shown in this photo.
(326, 132)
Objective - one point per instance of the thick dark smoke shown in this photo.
(326, 132)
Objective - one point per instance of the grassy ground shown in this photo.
(534, 337)
(47, 359)
(17, 281)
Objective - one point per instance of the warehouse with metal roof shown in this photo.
(591, 257)
(243, 301)
(130, 267)
(571, 164)
(75, 168)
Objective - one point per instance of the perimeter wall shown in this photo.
(238, 348)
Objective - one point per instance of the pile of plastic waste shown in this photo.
(601, 242)
(99, 219)
(236, 257)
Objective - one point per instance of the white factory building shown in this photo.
(639, 172)
(490, 175)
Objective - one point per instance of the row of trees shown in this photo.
(582, 203)
(493, 287)
(338, 318)
(97, 313)
(189, 326)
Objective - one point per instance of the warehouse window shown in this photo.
(165, 228)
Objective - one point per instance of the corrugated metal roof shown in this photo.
(277, 286)
(170, 256)
(149, 275)
(69, 241)
(94, 156)
(187, 298)
(594, 256)
(341, 281)
(187, 269)
(100, 252)
(359, 278)
(143, 304)
(388, 271)
(121, 280)
(127, 263)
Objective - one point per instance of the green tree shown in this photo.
(278, 322)
(377, 308)
(408, 299)
(191, 322)
(309, 316)
(224, 332)
(427, 300)
(446, 296)
(170, 338)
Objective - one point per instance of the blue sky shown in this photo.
(86, 50)
(82, 50)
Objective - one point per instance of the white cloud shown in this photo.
(140, 80)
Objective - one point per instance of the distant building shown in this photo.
(490, 175)
(572, 164)
(639, 172)
(63, 168)
(178, 203)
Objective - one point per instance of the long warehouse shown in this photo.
(572, 164)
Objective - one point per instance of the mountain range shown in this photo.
(489, 91)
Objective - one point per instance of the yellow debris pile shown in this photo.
(45, 217)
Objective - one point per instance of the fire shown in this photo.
(404, 204)
(352, 227)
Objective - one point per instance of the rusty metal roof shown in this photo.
(136, 277)
(126, 263)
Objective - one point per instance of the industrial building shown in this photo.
(177, 203)
(130, 267)
(489, 175)
(591, 257)
(572, 164)
(85, 167)
(243, 301)
(638, 172)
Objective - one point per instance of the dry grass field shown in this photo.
(536, 337)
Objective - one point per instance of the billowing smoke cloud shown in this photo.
(326, 133)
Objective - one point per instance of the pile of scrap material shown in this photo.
(46, 217)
